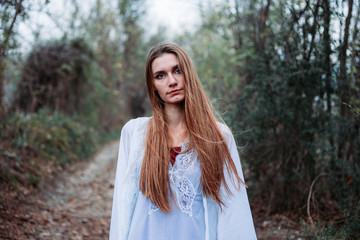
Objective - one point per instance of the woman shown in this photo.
(178, 174)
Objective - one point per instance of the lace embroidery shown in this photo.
(182, 187)
(185, 160)
(185, 193)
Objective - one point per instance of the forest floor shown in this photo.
(77, 205)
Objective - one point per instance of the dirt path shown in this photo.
(79, 207)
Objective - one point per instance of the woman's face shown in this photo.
(167, 79)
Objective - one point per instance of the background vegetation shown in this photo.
(284, 75)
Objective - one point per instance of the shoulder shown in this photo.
(135, 124)
(227, 134)
(225, 130)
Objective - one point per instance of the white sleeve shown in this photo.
(122, 165)
(235, 220)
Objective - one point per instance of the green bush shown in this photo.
(53, 136)
(347, 229)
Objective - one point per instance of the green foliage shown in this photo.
(215, 61)
(54, 75)
(53, 136)
(297, 130)
(8, 177)
(348, 230)
(33, 179)
(276, 65)
(64, 76)
(74, 92)
(10, 11)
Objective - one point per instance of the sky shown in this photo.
(177, 15)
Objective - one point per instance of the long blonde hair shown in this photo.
(203, 133)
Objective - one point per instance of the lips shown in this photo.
(175, 91)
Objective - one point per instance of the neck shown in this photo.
(175, 119)
(174, 115)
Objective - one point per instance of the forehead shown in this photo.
(165, 62)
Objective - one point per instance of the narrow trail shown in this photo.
(79, 206)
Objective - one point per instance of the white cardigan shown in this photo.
(233, 222)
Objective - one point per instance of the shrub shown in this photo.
(52, 136)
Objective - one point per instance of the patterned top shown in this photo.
(173, 153)
(131, 209)
(186, 219)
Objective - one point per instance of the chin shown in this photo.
(180, 101)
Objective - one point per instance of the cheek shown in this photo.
(153, 85)
(157, 96)
(182, 79)
(158, 87)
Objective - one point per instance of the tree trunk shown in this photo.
(344, 83)
(2, 107)
(327, 51)
(3, 48)
(327, 63)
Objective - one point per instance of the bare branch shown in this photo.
(18, 10)
(309, 198)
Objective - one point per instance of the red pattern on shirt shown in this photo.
(173, 153)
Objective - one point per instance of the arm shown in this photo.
(122, 165)
(235, 220)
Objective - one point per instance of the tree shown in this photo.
(134, 55)
(54, 77)
(11, 11)
(293, 100)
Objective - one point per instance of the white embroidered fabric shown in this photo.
(207, 222)
(180, 184)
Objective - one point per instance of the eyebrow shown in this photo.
(162, 71)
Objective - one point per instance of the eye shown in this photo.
(177, 71)
(160, 76)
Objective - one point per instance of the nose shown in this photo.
(172, 80)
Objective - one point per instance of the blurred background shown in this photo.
(283, 74)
